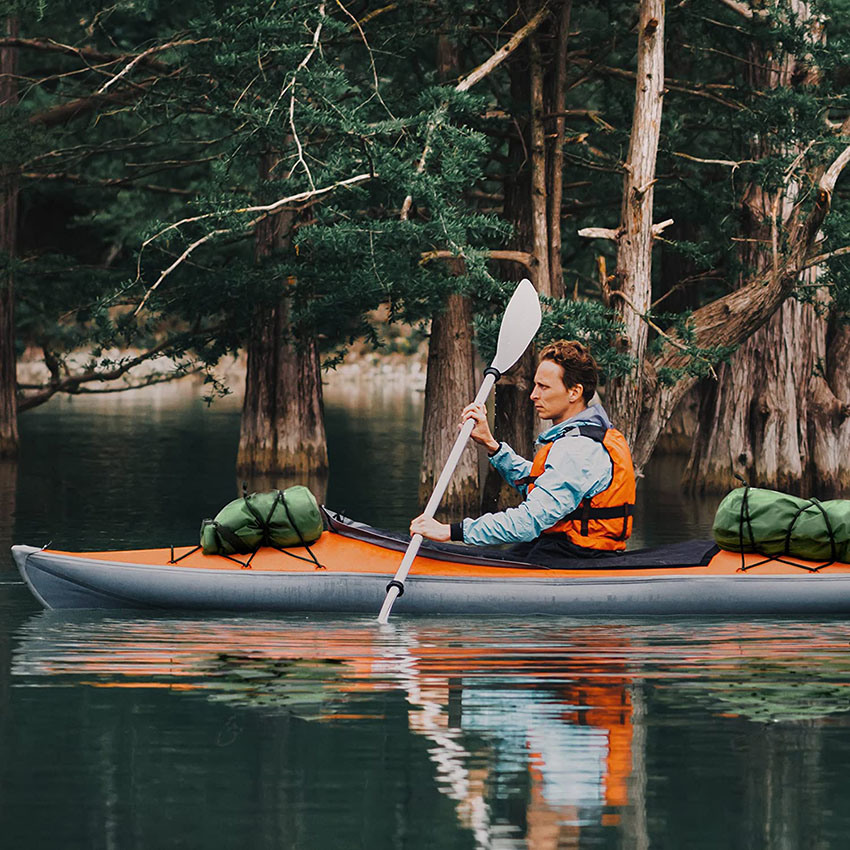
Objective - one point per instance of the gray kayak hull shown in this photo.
(63, 581)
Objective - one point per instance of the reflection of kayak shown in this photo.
(355, 562)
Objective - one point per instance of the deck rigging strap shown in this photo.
(745, 514)
(265, 525)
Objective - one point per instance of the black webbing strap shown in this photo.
(786, 553)
(230, 537)
(184, 555)
(833, 550)
(298, 531)
(612, 512)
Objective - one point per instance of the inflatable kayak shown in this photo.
(347, 570)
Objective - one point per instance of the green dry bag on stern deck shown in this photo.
(279, 518)
(777, 524)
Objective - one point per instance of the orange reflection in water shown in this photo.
(554, 699)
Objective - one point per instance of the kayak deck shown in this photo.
(356, 562)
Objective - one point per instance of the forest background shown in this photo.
(197, 179)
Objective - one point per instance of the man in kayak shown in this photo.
(579, 489)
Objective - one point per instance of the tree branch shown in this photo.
(266, 210)
(159, 48)
(71, 383)
(468, 82)
(522, 257)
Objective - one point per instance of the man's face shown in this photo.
(552, 400)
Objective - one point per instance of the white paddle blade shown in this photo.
(519, 325)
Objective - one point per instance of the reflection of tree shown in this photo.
(556, 734)
(251, 681)
(8, 490)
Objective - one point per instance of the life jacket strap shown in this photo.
(584, 513)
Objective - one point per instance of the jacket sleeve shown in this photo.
(511, 466)
(576, 467)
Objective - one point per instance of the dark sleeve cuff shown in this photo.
(457, 532)
(493, 454)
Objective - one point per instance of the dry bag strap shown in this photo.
(833, 551)
(233, 540)
(298, 531)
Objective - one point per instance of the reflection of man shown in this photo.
(579, 490)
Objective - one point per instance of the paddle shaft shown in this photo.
(436, 497)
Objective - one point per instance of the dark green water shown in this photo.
(315, 732)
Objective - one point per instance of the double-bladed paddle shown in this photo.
(519, 325)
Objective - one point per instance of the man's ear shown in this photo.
(576, 392)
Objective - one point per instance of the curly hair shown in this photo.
(577, 364)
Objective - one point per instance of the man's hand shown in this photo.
(481, 432)
(430, 528)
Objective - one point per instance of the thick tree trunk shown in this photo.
(8, 239)
(450, 382)
(829, 421)
(776, 416)
(282, 432)
(449, 387)
(633, 279)
(752, 420)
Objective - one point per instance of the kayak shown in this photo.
(348, 568)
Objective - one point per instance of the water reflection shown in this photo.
(538, 734)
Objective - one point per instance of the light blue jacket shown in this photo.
(576, 467)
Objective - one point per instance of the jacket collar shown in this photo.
(594, 414)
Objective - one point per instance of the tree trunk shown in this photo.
(282, 431)
(752, 420)
(539, 202)
(514, 415)
(450, 382)
(633, 279)
(449, 387)
(556, 160)
(776, 416)
(8, 239)
(829, 423)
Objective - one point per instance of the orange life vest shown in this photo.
(605, 520)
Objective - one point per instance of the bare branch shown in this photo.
(823, 258)
(468, 82)
(503, 52)
(71, 383)
(521, 257)
(661, 332)
(730, 163)
(600, 233)
(658, 229)
(159, 48)
(266, 210)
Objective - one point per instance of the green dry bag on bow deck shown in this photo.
(776, 524)
(278, 518)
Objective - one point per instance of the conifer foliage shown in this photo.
(181, 172)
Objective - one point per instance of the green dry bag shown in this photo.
(278, 518)
(776, 524)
